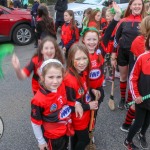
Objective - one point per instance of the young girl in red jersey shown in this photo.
(137, 48)
(139, 83)
(69, 31)
(49, 112)
(47, 49)
(76, 81)
(127, 30)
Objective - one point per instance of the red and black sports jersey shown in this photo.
(138, 45)
(140, 78)
(96, 75)
(75, 93)
(127, 30)
(68, 36)
(33, 66)
(46, 110)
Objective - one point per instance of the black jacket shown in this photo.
(61, 6)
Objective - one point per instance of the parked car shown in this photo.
(15, 24)
(80, 5)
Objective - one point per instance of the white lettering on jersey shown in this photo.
(95, 74)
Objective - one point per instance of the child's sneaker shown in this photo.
(117, 74)
(121, 104)
(143, 142)
(130, 146)
(125, 127)
(104, 83)
(109, 79)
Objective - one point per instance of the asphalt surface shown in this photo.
(15, 99)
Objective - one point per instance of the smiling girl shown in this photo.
(76, 81)
(46, 50)
(127, 31)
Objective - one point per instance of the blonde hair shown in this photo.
(145, 26)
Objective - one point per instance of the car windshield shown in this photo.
(6, 8)
(92, 2)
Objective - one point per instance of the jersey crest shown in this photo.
(81, 91)
(65, 112)
(53, 107)
(95, 74)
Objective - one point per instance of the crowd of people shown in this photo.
(68, 77)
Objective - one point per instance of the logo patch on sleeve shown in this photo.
(53, 107)
(65, 112)
(87, 97)
(95, 74)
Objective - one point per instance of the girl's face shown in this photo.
(67, 17)
(109, 17)
(91, 40)
(136, 7)
(48, 50)
(80, 61)
(53, 78)
(98, 16)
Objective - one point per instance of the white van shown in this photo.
(79, 6)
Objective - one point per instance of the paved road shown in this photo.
(15, 99)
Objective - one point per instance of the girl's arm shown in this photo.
(39, 136)
(134, 77)
(16, 64)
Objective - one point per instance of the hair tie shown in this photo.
(48, 62)
(88, 29)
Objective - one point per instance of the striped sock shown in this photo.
(123, 86)
(130, 116)
(129, 96)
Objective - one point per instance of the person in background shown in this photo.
(25, 4)
(17, 3)
(60, 7)
(34, 20)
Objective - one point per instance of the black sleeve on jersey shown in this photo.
(36, 112)
(30, 66)
(108, 32)
(71, 41)
(118, 35)
(71, 94)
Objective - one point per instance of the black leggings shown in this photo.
(80, 140)
(142, 120)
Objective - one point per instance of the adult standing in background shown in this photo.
(60, 7)
(17, 3)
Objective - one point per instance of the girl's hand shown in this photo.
(96, 93)
(44, 147)
(113, 60)
(15, 62)
(78, 110)
(93, 105)
(138, 100)
(116, 8)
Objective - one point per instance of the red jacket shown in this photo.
(138, 45)
(140, 78)
(96, 71)
(46, 110)
(75, 93)
(33, 66)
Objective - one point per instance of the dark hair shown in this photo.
(58, 52)
(70, 62)
(48, 24)
(128, 11)
(73, 24)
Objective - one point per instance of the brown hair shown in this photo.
(99, 59)
(145, 26)
(70, 62)
(128, 11)
(73, 24)
(58, 52)
(92, 18)
(147, 43)
(47, 67)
